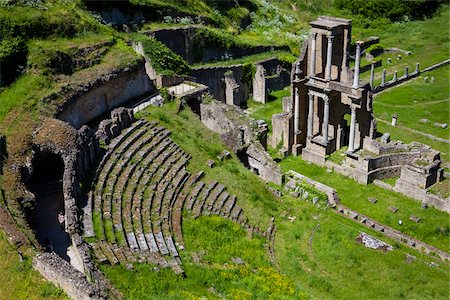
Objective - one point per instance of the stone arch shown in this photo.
(46, 183)
(194, 104)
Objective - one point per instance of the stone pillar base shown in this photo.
(297, 149)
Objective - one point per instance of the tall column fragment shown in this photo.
(296, 111)
(351, 140)
(312, 71)
(326, 117)
(357, 63)
(329, 56)
(310, 115)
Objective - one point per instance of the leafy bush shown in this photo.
(248, 72)
(393, 10)
(375, 49)
(163, 60)
(13, 53)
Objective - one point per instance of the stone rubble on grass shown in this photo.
(373, 243)
(372, 200)
(393, 209)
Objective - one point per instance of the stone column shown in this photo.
(406, 71)
(417, 67)
(310, 115)
(383, 77)
(351, 139)
(395, 76)
(326, 117)
(357, 62)
(372, 74)
(312, 71)
(296, 111)
(329, 56)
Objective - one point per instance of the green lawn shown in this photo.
(417, 100)
(328, 264)
(249, 59)
(428, 40)
(260, 111)
(19, 279)
(432, 229)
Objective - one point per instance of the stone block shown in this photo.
(386, 137)
(393, 209)
(372, 200)
(211, 163)
(414, 218)
(424, 121)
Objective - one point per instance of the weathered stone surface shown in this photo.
(73, 282)
(243, 135)
(373, 243)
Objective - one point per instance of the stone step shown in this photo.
(159, 237)
(200, 202)
(209, 203)
(228, 206)
(194, 194)
(102, 259)
(108, 252)
(220, 202)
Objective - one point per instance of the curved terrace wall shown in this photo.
(105, 94)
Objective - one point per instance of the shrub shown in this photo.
(375, 49)
(393, 10)
(163, 60)
(13, 53)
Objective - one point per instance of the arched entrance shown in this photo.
(194, 104)
(46, 184)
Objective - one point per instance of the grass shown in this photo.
(203, 145)
(247, 59)
(319, 252)
(19, 279)
(328, 264)
(354, 195)
(417, 100)
(260, 111)
(442, 189)
(216, 241)
(428, 40)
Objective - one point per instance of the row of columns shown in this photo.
(383, 74)
(326, 119)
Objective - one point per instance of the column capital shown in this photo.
(313, 35)
(330, 38)
(326, 99)
(359, 43)
(353, 108)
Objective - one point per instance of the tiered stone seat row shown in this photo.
(141, 189)
(138, 181)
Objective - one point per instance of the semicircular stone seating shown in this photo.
(141, 188)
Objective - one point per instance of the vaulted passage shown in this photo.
(46, 185)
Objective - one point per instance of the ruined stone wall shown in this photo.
(182, 41)
(214, 78)
(60, 272)
(240, 133)
(106, 95)
(108, 129)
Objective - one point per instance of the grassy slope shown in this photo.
(323, 272)
(19, 280)
(265, 111)
(432, 229)
(428, 40)
(417, 100)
